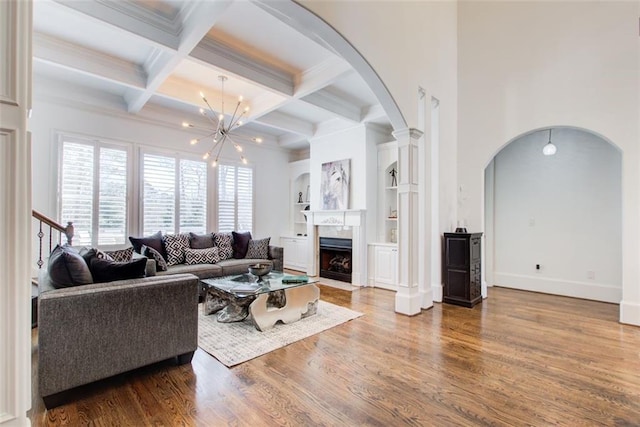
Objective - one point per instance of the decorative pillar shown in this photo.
(15, 212)
(408, 296)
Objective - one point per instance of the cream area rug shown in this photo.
(234, 343)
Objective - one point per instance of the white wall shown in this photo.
(59, 107)
(531, 65)
(563, 212)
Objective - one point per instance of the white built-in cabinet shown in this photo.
(295, 252)
(294, 241)
(383, 253)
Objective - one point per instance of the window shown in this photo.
(174, 195)
(235, 198)
(93, 191)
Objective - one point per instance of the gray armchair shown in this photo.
(90, 332)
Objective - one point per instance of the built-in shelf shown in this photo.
(392, 219)
(391, 188)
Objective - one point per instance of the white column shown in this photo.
(15, 212)
(408, 296)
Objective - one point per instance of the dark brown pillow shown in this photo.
(240, 244)
(154, 241)
(201, 241)
(107, 271)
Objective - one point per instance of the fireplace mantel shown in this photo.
(354, 218)
(350, 217)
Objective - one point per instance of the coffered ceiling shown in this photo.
(148, 53)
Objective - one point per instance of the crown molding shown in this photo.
(218, 54)
(321, 75)
(61, 53)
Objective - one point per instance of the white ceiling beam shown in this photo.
(373, 112)
(198, 20)
(287, 123)
(292, 140)
(129, 17)
(217, 53)
(334, 104)
(61, 53)
(321, 75)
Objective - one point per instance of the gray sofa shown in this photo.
(90, 332)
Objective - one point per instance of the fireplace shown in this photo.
(335, 258)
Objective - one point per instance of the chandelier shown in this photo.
(221, 129)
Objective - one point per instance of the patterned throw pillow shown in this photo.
(149, 252)
(258, 248)
(121, 255)
(224, 242)
(201, 256)
(174, 245)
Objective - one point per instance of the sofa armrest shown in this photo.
(276, 254)
(91, 332)
(150, 270)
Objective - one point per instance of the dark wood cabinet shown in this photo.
(462, 268)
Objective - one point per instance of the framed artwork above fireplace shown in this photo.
(335, 181)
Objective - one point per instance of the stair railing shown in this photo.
(54, 227)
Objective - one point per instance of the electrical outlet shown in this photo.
(591, 275)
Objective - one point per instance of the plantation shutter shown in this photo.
(76, 188)
(193, 196)
(93, 192)
(159, 189)
(112, 202)
(235, 198)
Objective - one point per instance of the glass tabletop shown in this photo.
(248, 284)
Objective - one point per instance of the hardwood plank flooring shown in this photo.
(518, 358)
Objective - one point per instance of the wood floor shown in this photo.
(518, 358)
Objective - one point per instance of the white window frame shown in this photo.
(176, 156)
(96, 143)
(253, 193)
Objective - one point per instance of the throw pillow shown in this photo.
(67, 268)
(175, 244)
(201, 241)
(149, 252)
(121, 255)
(240, 244)
(201, 256)
(224, 242)
(107, 271)
(259, 248)
(154, 241)
(89, 253)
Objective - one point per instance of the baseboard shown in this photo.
(436, 291)
(630, 313)
(407, 304)
(426, 298)
(585, 290)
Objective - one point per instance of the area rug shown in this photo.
(234, 343)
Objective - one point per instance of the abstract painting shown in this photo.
(335, 185)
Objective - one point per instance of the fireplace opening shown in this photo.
(335, 258)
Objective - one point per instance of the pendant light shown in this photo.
(549, 149)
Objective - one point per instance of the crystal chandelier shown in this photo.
(221, 130)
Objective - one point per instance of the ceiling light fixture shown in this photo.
(221, 131)
(549, 149)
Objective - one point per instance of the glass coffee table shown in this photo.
(267, 299)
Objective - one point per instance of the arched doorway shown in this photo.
(554, 223)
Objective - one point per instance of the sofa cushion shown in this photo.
(68, 268)
(240, 244)
(258, 248)
(175, 244)
(121, 255)
(201, 256)
(201, 241)
(107, 271)
(149, 252)
(154, 241)
(203, 271)
(224, 242)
